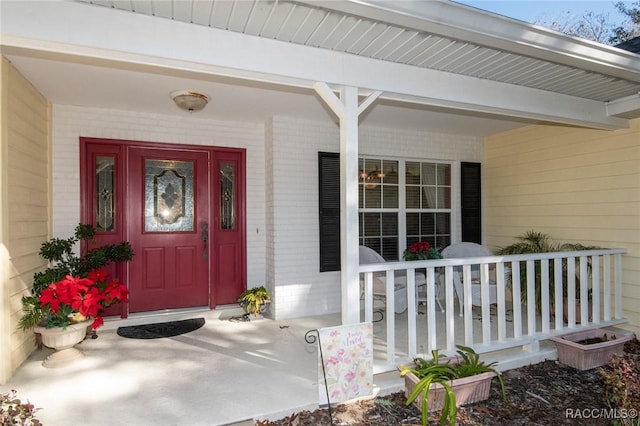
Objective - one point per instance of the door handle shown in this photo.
(205, 238)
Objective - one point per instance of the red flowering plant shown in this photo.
(421, 250)
(74, 288)
(75, 299)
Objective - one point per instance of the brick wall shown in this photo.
(70, 123)
(300, 289)
(282, 185)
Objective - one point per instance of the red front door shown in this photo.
(168, 222)
(182, 208)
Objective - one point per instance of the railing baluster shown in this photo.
(467, 307)
(391, 317)
(618, 285)
(517, 299)
(558, 285)
(544, 294)
(368, 296)
(502, 317)
(595, 289)
(531, 297)
(584, 290)
(431, 310)
(607, 287)
(412, 312)
(449, 313)
(571, 291)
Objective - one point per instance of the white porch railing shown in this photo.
(592, 278)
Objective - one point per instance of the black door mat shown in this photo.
(160, 330)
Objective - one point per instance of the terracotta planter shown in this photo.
(63, 341)
(467, 390)
(588, 356)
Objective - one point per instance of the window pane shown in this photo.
(413, 223)
(105, 184)
(446, 198)
(371, 224)
(412, 174)
(413, 197)
(444, 174)
(169, 196)
(443, 223)
(227, 195)
(390, 197)
(427, 223)
(390, 170)
(389, 224)
(429, 197)
(428, 174)
(390, 249)
(372, 197)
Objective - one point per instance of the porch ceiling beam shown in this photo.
(629, 105)
(42, 28)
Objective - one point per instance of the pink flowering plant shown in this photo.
(421, 250)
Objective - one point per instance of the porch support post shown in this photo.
(347, 109)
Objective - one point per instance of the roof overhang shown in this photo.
(121, 39)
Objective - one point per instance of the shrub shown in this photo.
(622, 386)
(15, 412)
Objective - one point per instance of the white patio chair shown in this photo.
(466, 250)
(367, 256)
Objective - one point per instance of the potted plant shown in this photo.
(71, 295)
(537, 242)
(421, 250)
(255, 301)
(589, 349)
(445, 383)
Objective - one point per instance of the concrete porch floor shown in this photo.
(223, 373)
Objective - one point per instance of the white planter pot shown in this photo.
(63, 341)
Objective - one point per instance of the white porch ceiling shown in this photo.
(520, 73)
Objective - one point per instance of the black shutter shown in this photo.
(471, 198)
(329, 190)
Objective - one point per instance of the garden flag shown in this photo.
(347, 352)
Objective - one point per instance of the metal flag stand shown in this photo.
(311, 338)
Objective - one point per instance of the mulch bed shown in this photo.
(542, 394)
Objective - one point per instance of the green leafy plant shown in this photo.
(65, 262)
(434, 371)
(15, 412)
(536, 242)
(254, 299)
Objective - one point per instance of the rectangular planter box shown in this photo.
(467, 390)
(586, 357)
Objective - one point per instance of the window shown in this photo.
(428, 203)
(400, 202)
(379, 191)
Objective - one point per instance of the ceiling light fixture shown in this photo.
(189, 100)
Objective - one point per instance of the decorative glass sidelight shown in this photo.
(227, 195)
(105, 183)
(169, 196)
